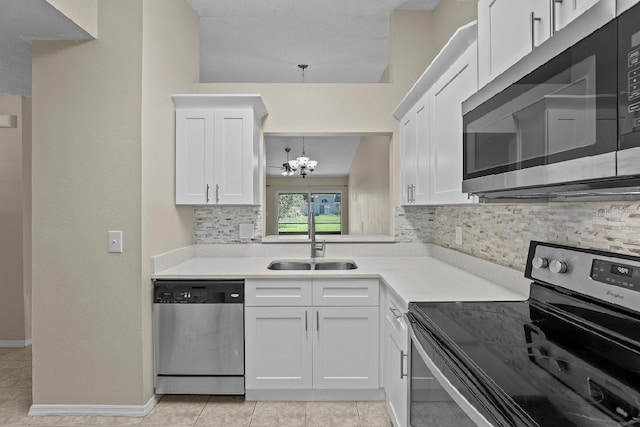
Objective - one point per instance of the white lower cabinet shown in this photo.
(278, 347)
(395, 361)
(332, 344)
(345, 347)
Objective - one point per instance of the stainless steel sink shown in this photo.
(289, 265)
(335, 265)
(310, 265)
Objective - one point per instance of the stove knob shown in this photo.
(540, 262)
(557, 267)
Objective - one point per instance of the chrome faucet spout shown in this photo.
(312, 235)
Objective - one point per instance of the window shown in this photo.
(293, 211)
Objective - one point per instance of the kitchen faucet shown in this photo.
(312, 235)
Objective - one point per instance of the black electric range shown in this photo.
(568, 356)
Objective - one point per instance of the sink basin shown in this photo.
(289, 265)
(310, 265)
(335, 265)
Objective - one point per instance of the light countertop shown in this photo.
(419, 278)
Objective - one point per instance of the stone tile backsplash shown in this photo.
(221, 224)
(501, 233)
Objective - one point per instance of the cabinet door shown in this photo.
(409, 165)
(194, 155)
(624, 5)
(456, 84)
(233, 163)
(278, 347)
(568, 10)
(345, 347)
(422, 153)
(396, 372)
(507, 31)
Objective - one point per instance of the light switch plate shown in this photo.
(8, 121)
(246, 231)
(115, 241)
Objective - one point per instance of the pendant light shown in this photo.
(302, 165)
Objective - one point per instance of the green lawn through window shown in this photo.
(299, 224)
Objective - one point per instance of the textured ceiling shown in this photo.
(333, 154)
(342, 41)
(22, 21)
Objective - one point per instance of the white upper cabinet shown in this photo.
(218, 148)
(507, 31)
(624, 5)
(458, 83)
(568, 10)
(431, 124)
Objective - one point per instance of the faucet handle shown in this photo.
(321, 246)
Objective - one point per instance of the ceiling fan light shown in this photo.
(294, 165)
(311, 165)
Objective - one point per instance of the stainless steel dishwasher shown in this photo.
(199, 336)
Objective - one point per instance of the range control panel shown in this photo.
(617, 274)
(209, 292)
(607, 276)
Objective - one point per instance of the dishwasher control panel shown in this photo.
(192, 292)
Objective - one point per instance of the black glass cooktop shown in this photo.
(554, 360)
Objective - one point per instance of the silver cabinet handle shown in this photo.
(408, 193)
(306, 321)
(217, 193)
(402, 356)
(554, 15)
(395, 312)
(207, 193)
(534, 19)
(318, 322)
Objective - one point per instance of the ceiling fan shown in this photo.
(301, 166)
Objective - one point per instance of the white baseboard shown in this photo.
(98, 410)
(316, 394)
(15, 343)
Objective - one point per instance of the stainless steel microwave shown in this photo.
(569, 125)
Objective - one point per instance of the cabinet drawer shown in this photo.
(394, 311)
(346, 292)
(277, 292)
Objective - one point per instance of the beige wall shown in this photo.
(104, 162)
(26, 212)
(275, 184)
(12, 204)
(448, 17)
(87, 323)
(415, 39)
(170, 64)
(370, 211)
(83, 12)
(318, 108)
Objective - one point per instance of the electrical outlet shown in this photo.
(246, 231)
(458, 235)
(115, 241)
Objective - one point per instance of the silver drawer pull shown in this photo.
(402, 356)
(395, 312)
(235, 295)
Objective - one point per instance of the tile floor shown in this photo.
(178, 411)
